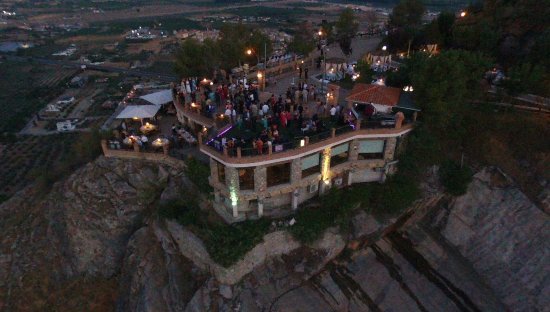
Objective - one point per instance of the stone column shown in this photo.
(214, 171)
(232, 182)
(353, 150)
(295, 196)
(260, 185)
(260, 208)
(295, 171)
(389, 151)
(260, 179)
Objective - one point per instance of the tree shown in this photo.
(525, 77)
(346, 28)
(302, 42)
(195, 59)
(444, 87)
(408, 13)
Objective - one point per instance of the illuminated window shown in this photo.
(246, 178)
(311, 165)
(278, 174)
(371, 149)
(339, 154)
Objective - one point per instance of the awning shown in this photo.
(158, 98)
(139, 111)
(406, 102)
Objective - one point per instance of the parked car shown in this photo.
(66, 100)
(386, 120)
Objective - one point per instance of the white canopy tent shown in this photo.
(138, 111)
(158, 98)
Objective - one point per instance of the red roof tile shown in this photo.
(371, 93)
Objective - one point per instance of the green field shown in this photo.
(24, 89)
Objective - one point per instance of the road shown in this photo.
(129, 72)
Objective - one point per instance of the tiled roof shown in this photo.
(371, 93)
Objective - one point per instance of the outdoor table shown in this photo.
(160, 142)
(147, 128)
(130, 140)
(188, 137)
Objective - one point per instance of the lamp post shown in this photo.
(261, 77)
(324, 53)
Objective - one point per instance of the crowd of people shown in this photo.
(256, 124)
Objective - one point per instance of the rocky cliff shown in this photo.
(94, 243)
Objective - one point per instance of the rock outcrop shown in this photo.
(504, 236)
(81, 228)
(96, 232)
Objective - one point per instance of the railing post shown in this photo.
(357, 124)
(165, 149)
(136, 147)
(225, 150)
(199, 139)
(306, 141)
(238, 152)
(269, 148)
(332, 132)
(104, 146)
(415, 115)
(399, 117)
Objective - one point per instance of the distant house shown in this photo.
(382, 98)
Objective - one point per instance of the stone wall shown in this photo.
(274, 244)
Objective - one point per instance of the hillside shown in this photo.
(95, 243)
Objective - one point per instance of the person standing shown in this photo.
(333, 113)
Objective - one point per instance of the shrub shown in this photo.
(335, 210)
(392, 197)
(455, 179)
(186, 213)
(225, 243)
(198, 173)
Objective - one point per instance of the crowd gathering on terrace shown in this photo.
(253, 124)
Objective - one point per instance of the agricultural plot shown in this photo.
(28, 158)
(24, 90)
(49, 79)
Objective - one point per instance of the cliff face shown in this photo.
(92, 242)
(504, 236)
(80, 228)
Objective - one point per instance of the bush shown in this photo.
(394, 196)
(335, 210)
(225, 243)
(454, 178)
(198, 173)
(186, 213)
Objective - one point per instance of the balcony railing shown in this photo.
(214, 145)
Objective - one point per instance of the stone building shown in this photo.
(277, 182)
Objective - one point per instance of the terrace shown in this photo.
(293, 141)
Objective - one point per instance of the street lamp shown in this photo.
(324, 53)
(384, 48)
(259, 75)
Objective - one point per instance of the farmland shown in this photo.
(24, 89)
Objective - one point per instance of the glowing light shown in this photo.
(384, 48)
(260, 75)
(463, 14)
(325, 166)
(249, 52)
(320, 33)
(302, 143)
